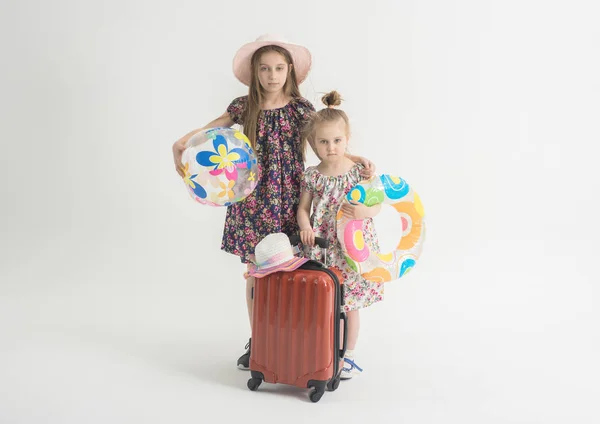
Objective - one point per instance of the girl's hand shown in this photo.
(178, 148)
(355, 210)
(253, 260)
(369, 167)
(307, 237)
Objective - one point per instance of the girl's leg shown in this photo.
(249, 300)
(244, 360)
(353, 328)
(350, 368)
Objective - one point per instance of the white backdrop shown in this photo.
(116, 304)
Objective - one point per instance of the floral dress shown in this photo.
(272, 206)
(328, 193)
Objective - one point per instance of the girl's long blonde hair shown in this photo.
(328, 114)
(256, 92)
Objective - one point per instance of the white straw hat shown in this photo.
(274, 253)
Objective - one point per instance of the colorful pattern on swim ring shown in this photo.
(395, 187)
(354, 240)
(357, 195)
(406, 265)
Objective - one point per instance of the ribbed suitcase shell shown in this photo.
(296, 326)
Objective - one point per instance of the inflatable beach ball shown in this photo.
(220, 167)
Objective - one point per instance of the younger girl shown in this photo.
(272, 115)
(324, 187)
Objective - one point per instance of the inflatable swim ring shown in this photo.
(376, 266)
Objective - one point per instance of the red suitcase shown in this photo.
(296, 324)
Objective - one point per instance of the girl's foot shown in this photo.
(243, 362)
(350, 369)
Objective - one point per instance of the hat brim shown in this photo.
(242, 59)
(290, 265)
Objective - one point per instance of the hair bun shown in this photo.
(332, 98)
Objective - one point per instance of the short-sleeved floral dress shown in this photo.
(328, 193)
(273, 205)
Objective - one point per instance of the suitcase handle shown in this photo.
(321, 242)
(344, 317)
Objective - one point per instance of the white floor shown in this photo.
(136, 340)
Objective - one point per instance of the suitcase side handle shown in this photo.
(344, 318)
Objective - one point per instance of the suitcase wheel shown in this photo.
(333, 384)
(318, 389)
(315, 395)
(254, 383)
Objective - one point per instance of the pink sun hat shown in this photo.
(242, 59)
(274, 253)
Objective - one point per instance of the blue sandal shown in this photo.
(349, 372)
